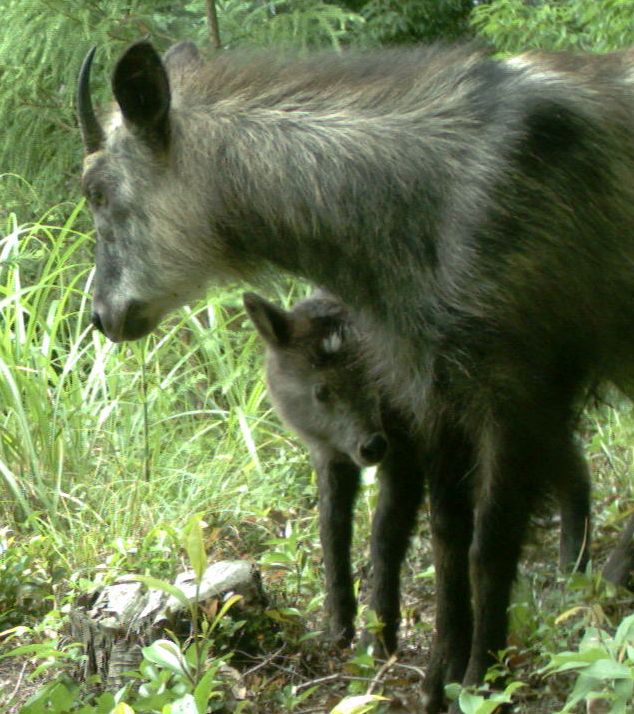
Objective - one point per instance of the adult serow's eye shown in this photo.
(97, 198)
(321, 392)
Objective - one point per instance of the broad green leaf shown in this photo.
(574, 660)
(358, 705)
(625, 632)
(166, 654)
(471, 703)
(583, 686)
(608, 669)
(195, 547)
(185, 705)
(123, 708)
(203, 690)
(43, 650)
(230, 602)
(512, 688)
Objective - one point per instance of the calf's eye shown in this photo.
(321, 392)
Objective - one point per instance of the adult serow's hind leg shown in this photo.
(519, 458)
(573, 490)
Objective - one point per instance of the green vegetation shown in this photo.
(515, 25)
(106, 450)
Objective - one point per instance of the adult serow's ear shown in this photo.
(142, 91)
(272, 322)
(181, 57)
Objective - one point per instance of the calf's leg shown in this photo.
(400, 496)
(338, 480)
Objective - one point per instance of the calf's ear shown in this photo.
(142, 91)
(272, 322)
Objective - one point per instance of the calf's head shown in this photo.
(139, 185)
(316, 378)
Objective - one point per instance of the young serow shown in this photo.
(319, 385)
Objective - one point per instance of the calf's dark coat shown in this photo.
(319, 385)
(476, 215)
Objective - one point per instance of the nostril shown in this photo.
(96, 321)
(373, 449)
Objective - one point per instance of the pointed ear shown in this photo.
(272, 322)
(141, 88)
(182, 57)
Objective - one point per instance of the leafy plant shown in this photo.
(604, 665)
(515, 25)
(482, 700)
(31, 572)
(301, 23)
(398, 21)
(171, 677)
(290, 554)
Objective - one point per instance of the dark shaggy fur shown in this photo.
(476, 216)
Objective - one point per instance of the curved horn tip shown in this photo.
(90, 55)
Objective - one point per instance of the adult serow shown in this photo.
(474, 214)
(318, 383)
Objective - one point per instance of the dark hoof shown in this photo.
(343, 640)
(434, 703)
(340, 635)
(380, 647)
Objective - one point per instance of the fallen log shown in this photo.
(115, 622)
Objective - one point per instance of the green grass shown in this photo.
(106, 451)
(98, 439)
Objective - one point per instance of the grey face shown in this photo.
(317, 382)
(329, 407)
(143, 266)
(138, 194)
(123, 275)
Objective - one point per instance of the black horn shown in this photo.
(91, 130)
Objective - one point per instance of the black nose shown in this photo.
(96, 321)
(373, 449)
